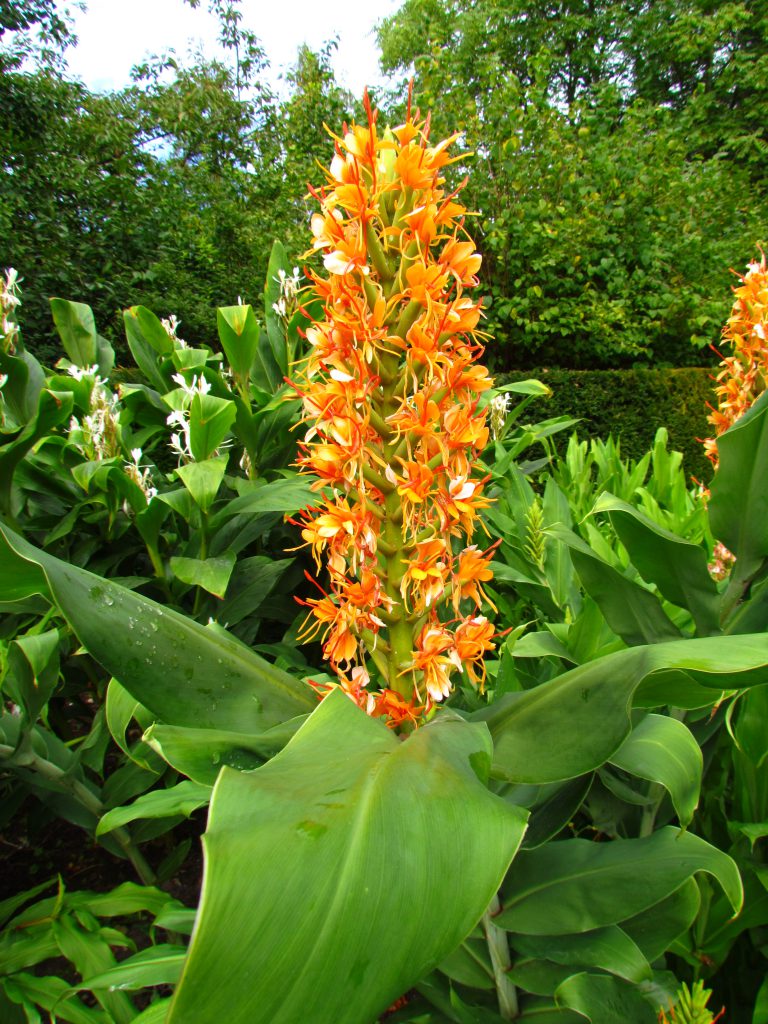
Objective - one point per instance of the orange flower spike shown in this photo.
(744, 375)
(389, 392)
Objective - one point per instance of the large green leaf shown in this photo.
(574, 723)
(82, 342)
(738, 506)
(157, 965)
(203, 479)
(286, 495)
(576, 885)
(53, 408)
(663, 750)
(633, 613)
(278, 260)
(184, 673)
(148, 340)
(239, 336)
(676, 566)
(332, 872)
(25, 379)
(210, 420)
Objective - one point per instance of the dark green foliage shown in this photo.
(631, 405)
(615, 177)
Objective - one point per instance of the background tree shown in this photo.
(618, 175)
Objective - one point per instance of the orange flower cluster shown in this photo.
(390, 393)
(743, 375)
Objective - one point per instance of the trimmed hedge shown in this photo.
(631, 405)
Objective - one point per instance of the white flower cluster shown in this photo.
(9, 300)
(140, 476)
(289, 290)
(180, 442)
(98, 435)
(171, 325)
(499, 410)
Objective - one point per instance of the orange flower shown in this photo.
(472, 640)
(435, 658)
(472, 570)
(396, 709)
(426, 573)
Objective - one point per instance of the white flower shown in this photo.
(499, 409)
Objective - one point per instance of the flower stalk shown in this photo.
(391, 394)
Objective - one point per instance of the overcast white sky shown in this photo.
(116, 34)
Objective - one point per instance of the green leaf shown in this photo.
(470, 964)
(286, 495)
(82, 343)
(148, 339)
(210, 421)
(54, 407)
(738, 506)
(539, 977)
(152, 329)
(608, 949)
(549, 733)
(181, 671)
(51, 994)
(633, 613)
(154, 1014)
(575, 885)
(183, 799)
(212, 574)
(265, 370)
(128, 898)
(32, 671)
(663, 750)
(748, 730)
(21, 390)
(311, 859)
(605, 1000)
(526, 387)
(239, 336)
(203, 479)
(655, 929)
(90, 954)
(8, 907)
(201, 753)
(278, 260)
(253, 581)
(157, 965)
(676, 566)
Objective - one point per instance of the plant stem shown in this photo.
(501, 962)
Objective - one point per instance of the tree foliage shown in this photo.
(618, 151)
(168, 193)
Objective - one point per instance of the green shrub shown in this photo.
(631, 405)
